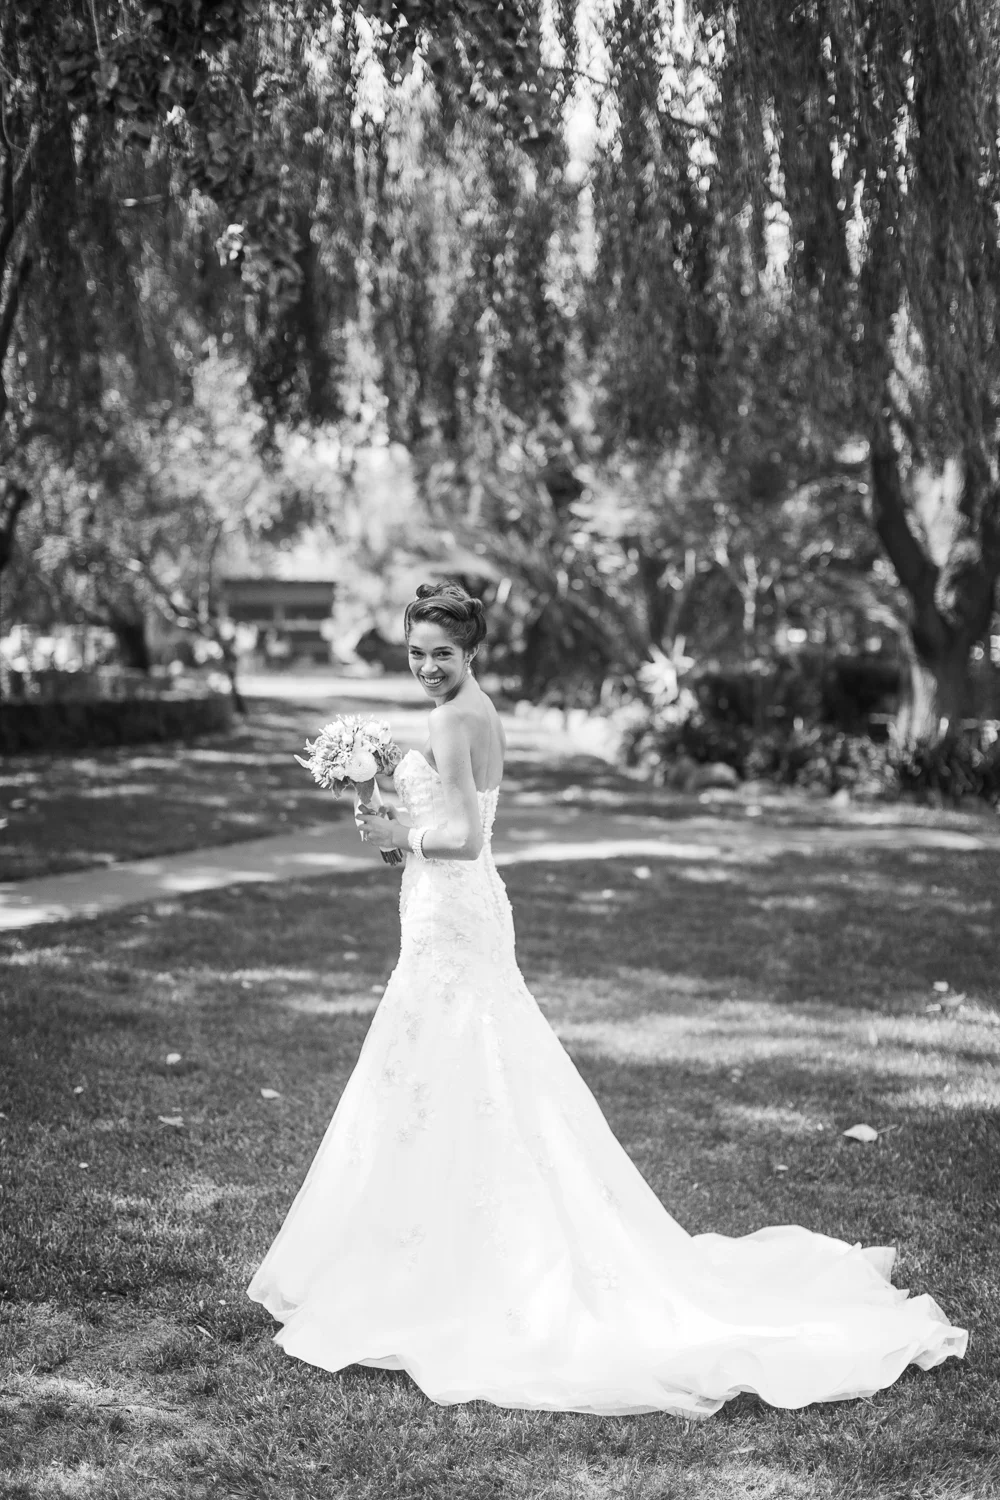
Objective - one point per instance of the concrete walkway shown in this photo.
(529, 828)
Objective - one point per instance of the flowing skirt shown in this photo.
(470, 1218)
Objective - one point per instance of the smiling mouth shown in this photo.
(432, 681)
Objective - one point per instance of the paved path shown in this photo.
(528, 828)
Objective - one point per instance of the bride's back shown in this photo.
(487, 740)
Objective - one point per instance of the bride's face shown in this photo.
(436, 661)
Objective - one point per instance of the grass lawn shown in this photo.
(732, 1020)
(66, 812)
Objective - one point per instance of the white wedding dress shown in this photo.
(470, 1218)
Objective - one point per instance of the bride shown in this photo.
(469, 1216)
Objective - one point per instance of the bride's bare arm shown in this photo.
(460, 836)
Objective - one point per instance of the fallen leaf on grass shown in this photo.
(84, 1165)
(269, 1094)
(171, 1058)
(175, 1120)
(350, 956)
(942, 986)
(781, 1167)
(865, 1133)
(78, 1089)
(642, 872)
(204, 1331)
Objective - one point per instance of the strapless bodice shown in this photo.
(420, 787)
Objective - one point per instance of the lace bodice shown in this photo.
(420, 787)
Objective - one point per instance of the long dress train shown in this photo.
(470, 1217)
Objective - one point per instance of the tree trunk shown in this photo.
(133, 644)
(230, 665)
(951, 604)
(935, 694)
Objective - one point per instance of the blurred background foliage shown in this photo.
(671, 328)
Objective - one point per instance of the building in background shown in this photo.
(291, 616)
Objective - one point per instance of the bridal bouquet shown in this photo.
(351, 752)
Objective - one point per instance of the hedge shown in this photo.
(840, 690)
(93, 723)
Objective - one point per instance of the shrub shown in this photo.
(821, 758)
(815, 756)
(842, 691)
(87, 724)
(966, 765)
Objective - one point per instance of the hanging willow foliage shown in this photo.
(823, 177)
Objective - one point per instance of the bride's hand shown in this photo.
(385, 830)
(364, 810)
(387, 812)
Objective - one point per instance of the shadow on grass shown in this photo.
(67, 812)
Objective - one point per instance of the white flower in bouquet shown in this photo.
(360, 765)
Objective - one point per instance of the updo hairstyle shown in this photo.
(447, 604)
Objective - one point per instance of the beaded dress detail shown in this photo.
(470, 1217)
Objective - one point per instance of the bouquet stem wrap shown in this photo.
(370, 801)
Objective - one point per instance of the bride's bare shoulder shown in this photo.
(464, 721)
(451, 721)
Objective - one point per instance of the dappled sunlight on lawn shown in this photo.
(714, 874)
(204, 1195)
(746, 1034)
(270, 974)
(770, 1118)
(631, 994)
(788, 903)
(346, 1005)
(116, 789)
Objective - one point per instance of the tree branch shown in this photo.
(15, 192)
(9, 305)
(18, 496)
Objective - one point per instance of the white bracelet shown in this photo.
(415, 839)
